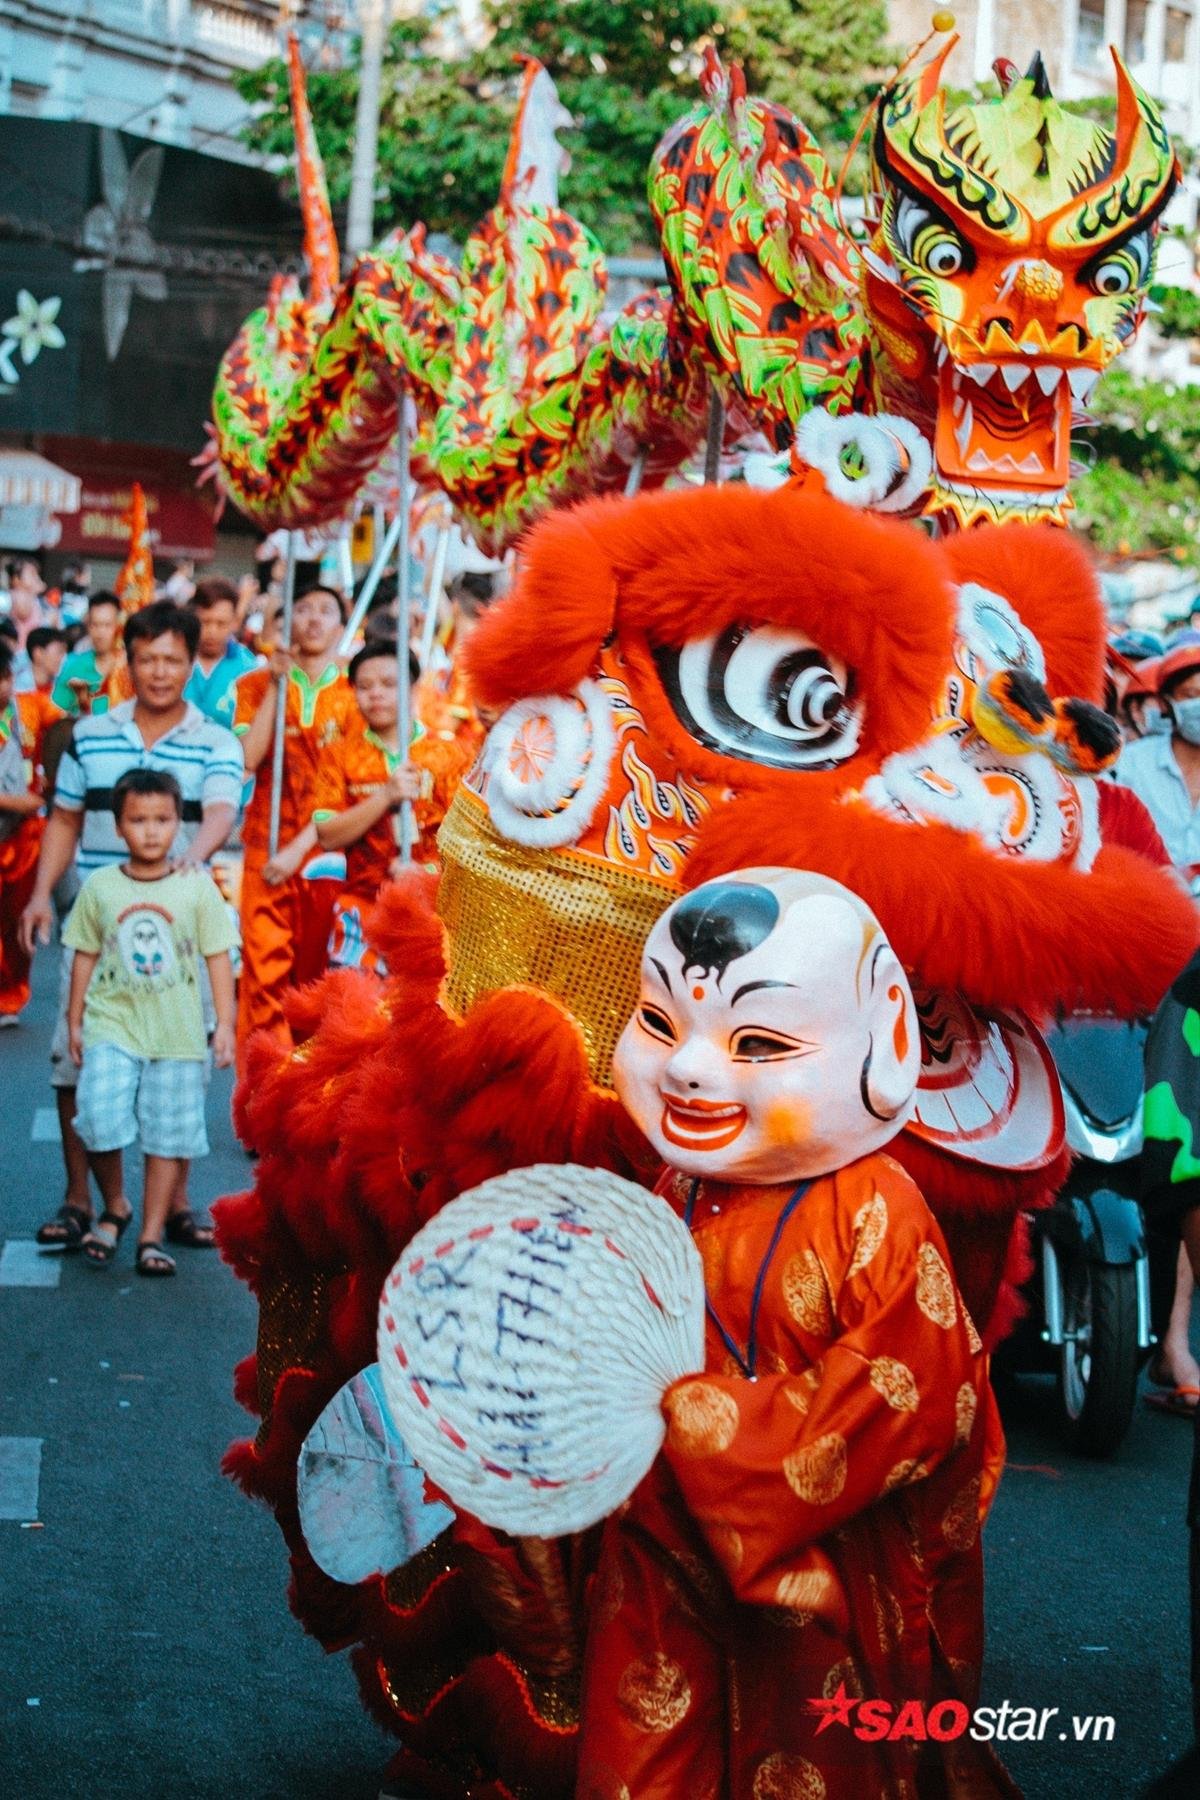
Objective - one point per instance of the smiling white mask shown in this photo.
(775, 1036)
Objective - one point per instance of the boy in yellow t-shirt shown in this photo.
(135, 1015)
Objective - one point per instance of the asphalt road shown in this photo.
(145, 1646)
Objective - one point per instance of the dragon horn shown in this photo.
(1129, 111)
(512, 162)
(931, 75)
(320, 239)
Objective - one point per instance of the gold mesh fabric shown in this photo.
(568, 924)
(291, 1325)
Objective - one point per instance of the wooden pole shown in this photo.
(433, 597)
(716, 432)
(404, 818)
(281, 698)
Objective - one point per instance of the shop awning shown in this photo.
(27, 479)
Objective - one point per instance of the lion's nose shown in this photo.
(1014, 713)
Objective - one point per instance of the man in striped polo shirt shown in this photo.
(157, 729)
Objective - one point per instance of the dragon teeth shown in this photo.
(1082, 382)
(1014, 374)
(980, 372)
(1048, 377)
(962, 432)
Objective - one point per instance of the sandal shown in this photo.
(153, 1260)
(185, 1229)
(100, 1245)
(66, 1230)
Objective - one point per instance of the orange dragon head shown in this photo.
(1012, 251)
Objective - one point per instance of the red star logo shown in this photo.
(835, 1709)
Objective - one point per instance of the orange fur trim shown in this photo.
(869, 591)
(1048, 577)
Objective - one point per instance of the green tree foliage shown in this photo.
(625, 70)
(1143, 492)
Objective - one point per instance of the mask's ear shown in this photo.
(893, 1061)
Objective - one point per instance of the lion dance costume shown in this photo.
(688, 684)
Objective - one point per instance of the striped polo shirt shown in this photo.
(205, 759)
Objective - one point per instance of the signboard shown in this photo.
(181, 519)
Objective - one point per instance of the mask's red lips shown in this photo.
(701, 1124)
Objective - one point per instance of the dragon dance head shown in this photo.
(1013, 249)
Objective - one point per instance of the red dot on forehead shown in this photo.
(697, 993)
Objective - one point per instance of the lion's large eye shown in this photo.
(1120, 271)
(765, 695)
(927, 239)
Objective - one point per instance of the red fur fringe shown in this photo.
(867, 590)
(1047, 576)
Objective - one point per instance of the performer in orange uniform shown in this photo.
(23, 723)
(285, 919)
(359, 785)
(811, 1532)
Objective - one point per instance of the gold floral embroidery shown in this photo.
(818, 1472)
(889, 1617)
(974, 1341)
(965, 1404)
(703, 1419)
(935, 1289)
(895, 1381)
(807, 1589)
(904, 1473)
(870, 1229)
(805, 1294)
(602, 1784)
(727, 1542)
(843, 1674)
(654, 1694)
(783, 1777)
(960, 1521)
(800, 1392)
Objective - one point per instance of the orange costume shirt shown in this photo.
(356, 767)
(36, 712)
(319, 714)
(812, 1533)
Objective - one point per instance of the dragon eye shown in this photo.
(928, 240)
(1120, 271)
(656, 1023)
(764, 695)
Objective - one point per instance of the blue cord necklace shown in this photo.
(748, 1362)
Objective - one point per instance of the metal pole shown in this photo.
(404, 818)
(281, 699)
(367, 594)
(360, 214)
(437, 575)
(637, 470)
(716, 432)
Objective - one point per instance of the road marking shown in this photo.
(22, 1264)
(46, 1128)
(20, 1472)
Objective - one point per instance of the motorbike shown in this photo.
(1089, 1317)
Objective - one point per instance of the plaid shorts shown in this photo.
(121, 1098)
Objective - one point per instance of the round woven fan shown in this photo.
(527, 1336)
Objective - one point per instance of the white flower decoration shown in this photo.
(32, 326)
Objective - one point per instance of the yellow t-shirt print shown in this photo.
(148, 936)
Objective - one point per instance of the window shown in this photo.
(1089, 34)
(1137, 14)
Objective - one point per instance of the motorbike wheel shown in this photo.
(1098, 1369)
